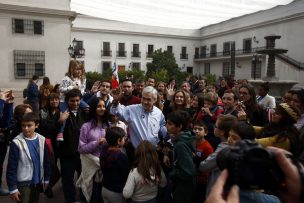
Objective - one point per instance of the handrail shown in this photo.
(291, 61)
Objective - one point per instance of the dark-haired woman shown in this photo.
(255, 114)
(91, 141)
(48, 127)
(281, 132)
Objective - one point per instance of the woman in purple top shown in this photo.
(92, 139)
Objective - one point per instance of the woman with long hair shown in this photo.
(91, 141)
(146, 176)
(255, 114)
(179, 101)
(281, 132)
(45, 90)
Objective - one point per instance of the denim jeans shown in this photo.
(254, 197)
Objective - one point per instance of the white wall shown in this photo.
(52, 4)
(54, 42)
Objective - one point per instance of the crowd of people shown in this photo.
(146, 141)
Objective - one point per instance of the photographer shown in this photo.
(291, 168)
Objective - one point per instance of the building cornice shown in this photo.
(254, 26)
(9, 8)
(122, 32)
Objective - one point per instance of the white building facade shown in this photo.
(130, 45)
(247, 34)
(34, 36)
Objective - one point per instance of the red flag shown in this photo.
(115, 79)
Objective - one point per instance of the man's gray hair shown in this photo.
(150, 89)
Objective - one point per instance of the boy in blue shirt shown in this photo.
(28, 168)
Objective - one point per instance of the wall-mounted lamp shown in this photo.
(238, 64)
(75, 51)
(255, 40)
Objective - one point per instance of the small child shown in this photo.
(28, 168)
(144, 180)
(203, 150)
(115, 122)
(210, 112)
(74, 79)
(114, 165)
(183, 167)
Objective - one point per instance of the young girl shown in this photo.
(91, 141)
(114, 165)
(144, 179)
(74, 79)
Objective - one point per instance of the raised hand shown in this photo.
(170, 92)
(64, 116)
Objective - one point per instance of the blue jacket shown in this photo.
(20, 165)
(33, 92)
(6, 115)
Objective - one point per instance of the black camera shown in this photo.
(250, 166)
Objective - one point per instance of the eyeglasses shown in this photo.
(106, 86)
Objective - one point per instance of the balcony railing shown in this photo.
(149, 54)
(106, 53)
(135, 54)
(227, 53)
(183, 56)
(121, 53)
